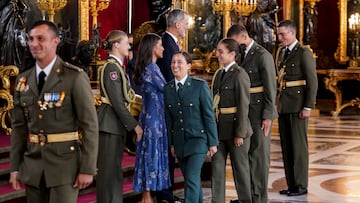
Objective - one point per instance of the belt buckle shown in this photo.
(42, 139)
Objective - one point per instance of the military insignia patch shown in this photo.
(113, 75)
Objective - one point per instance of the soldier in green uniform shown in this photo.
(259, 65)
(190, 123)
(231, 90)
(297, 95)
(115, 119)
(52, 102)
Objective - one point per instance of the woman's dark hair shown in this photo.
(231, 45)
(186, 55)
(145, 54)
(111, 38)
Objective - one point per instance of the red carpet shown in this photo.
(4, 140)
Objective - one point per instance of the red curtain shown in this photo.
(115, 17)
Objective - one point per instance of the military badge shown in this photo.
(113, 75)
(22, 86)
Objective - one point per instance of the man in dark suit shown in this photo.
(259, 65)
(52, 101)
(190, 124)
(177, 25)
(297, 95)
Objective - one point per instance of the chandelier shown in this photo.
(242, 7)
(50, 6)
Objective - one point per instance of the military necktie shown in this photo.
(242, 50)
(222, 74)
(180, 89)
(41, 82)
(287, 53)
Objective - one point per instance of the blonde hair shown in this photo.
(111, 38)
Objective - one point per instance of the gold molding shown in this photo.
(301, 21)
(287, 9)
(83, 19)
(341, 55)
(5, 73)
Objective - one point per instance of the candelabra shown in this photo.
(95, 7)
(242, 7)
(50, 6)
(354, 30)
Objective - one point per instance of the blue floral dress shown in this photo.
(152, 165)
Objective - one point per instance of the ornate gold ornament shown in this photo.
(5, 73)
(95, 7)
(341, 55)
(224, 7)
(50, 6)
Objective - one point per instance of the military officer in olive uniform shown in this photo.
(259, 65)
(52, 102)
(297, 95)
(115, 119)
(231, 98)
(190, 124)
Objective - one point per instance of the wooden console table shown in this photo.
(331, 80)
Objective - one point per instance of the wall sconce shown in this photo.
(354, 29)
(50, 6)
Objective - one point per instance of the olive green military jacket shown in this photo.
(234, 89)
(115, 118)
(60, 162)
(190, 120)
(259, 65)
(299, 65)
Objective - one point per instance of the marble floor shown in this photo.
(334, 170)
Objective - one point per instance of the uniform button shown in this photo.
(181, 120)
(40, 116)
(298, 91)
(179, 104)
(24, 104)
(72, 148)
(180, 112)
(182, 129)
(202, 131)
(258, 100)
(191, 104)
(41, 131)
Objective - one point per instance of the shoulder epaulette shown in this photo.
(111, 60)
(72, 67)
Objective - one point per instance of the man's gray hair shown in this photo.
(176, 15)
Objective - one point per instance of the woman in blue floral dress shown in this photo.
(151, 167)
